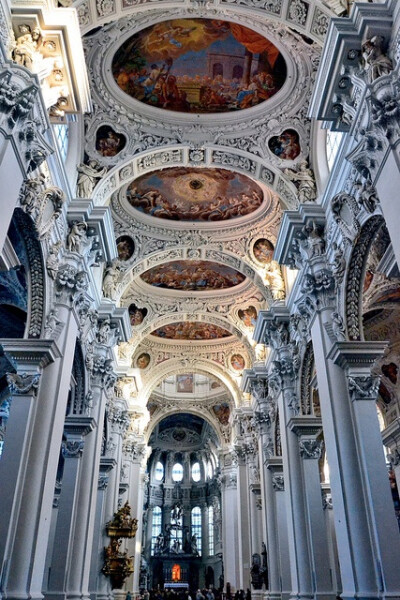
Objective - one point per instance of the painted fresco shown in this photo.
(248, 316)
(184, 383)
(263, 251)
(143, 360)
(109, 142)
(237, 361)
(193, 275)
(185, 194)
(199, 65)
(187, 330)
(286, 145)
(136, 315)
(125, 247)
(222, 412)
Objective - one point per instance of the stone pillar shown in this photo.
(75, 430)
(264, 417)
(101, 380)
(284, 374)
(276, 481)
(307, 430)
(244, 550)
(118, 421)
(33, 358)
(230, 525)
(106, 466)
(30, 523)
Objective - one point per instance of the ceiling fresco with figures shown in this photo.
(187, 194)
(199, 65)
(200, 123)
(190, 331)
(193, 276)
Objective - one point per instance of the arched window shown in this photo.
(196, 474)
(209, 470)
(155, 527)
(196, 529)
(159, 471)
(61, 134)
(210, 530)
(177, 472)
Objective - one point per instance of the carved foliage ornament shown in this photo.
(23, 384)
(311, 449)
(364, 387)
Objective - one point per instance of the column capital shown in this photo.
(311, 449)
(31, 354)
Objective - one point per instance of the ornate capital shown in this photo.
(326, 500)
(362, 388)
(103, 482)
(21, 385)
(278, 483)
(72, 449)
(70, 281)
(277, 334)
(311, 449)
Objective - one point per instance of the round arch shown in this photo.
(181, 366)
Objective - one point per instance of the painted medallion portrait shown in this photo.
(185, 194)
(237, 362)
(187, 330)
(199, 65)
(136, 315)
(125, 247)
(193, 275)
(286, 145)
(143, 360)
(109, 142)
(263, 251)
(248, 316)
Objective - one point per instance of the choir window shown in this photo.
(210, 530)
(155, 527)
(159, 471)
(177, 472)
(196, 475)
(196, 528)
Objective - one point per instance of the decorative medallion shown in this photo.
(109, 142)
(193, 275)
(125, 247)
(136, 315)
(248, 316)
(143, 360)
(237, 362)
(199, 65)
(286, 145)
(188, 194)
(186, 330)
(263, 251)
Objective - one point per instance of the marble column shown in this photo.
(230, 525)
(276, 491)
(32, 358)
(75, 430)
(29, 529)
(308, 428)
(244, 550)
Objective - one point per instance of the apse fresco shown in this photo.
(193, 275)
(199, 65)
(237, 361)
(222, 412)
(109, 142)
(185, 194)
(248, 316)
(263, 251)
(186, 330)
(286, 145)
(184, 383)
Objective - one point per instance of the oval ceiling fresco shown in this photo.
(199, 65)
(187, 330)
(186, 194)
(193, 275)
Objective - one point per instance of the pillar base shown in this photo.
(119, 594)
(271, 595)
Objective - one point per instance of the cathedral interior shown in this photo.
(199, 299)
